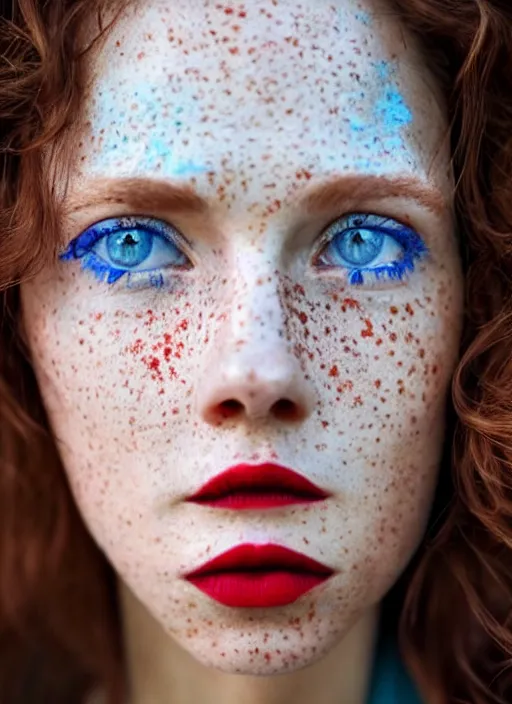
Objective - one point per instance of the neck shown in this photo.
(161, 672)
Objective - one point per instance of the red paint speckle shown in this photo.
(349, 304)
(368, 330)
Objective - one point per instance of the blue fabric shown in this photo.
(391, 684)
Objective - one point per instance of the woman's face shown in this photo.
(260, 267)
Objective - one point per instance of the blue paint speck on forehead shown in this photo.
(160, 157)
(364, 18)
(390, 116)
(383, 70)
(357, 124)
(130, 138)
(392, 110)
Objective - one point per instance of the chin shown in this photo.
(261, 654)
(260, 662)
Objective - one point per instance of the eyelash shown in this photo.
(412, 246)
(161, 235)
(156, 234)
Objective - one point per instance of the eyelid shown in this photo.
(157, 226)
(328, 234)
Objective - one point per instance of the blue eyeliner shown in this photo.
(141, 249)
(136, 248)
(381, 230)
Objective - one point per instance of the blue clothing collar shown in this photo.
(391, 683)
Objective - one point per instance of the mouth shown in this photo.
(257, 487)
(259, 576)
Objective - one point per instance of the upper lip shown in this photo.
(268, 477)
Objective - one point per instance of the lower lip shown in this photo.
(257, 589)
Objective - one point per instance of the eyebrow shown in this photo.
(370, 187)
(142, 194)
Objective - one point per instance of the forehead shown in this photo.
(182, 87)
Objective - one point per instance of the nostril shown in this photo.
(284, 409)
(230, 408)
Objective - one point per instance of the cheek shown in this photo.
(115, 375)
(381, 365)
(389, 356)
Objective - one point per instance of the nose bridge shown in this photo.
(253, 370)
(255, 312)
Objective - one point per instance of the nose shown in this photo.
(251, 371)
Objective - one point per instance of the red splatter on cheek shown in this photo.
(137, 347)
(153, 364)
(368, 329)
(349, 304)
(158, 357)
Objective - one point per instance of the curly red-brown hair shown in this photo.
(59, 633)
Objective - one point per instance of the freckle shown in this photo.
(349, 303)
(378, 384)
(137, 346)
(334, 371)
(393, 337)
(409, 309)
(368, 330)
(393, 310)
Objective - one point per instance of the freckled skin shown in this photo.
(253, 354)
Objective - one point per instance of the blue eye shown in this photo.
(129, 249)
(138, 248)
(371, 248)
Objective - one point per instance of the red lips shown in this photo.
(257, 487)
(259, 576)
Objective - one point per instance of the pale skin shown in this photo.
(254, 351)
